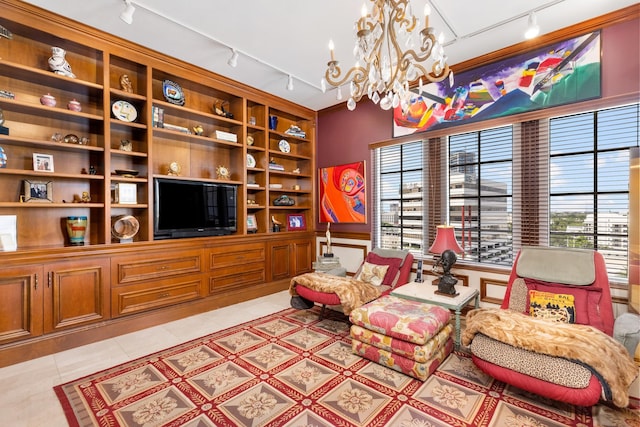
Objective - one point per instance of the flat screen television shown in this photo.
(190, 208)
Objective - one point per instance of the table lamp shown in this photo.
(446, 246)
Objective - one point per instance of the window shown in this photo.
(480, 194)
(560, 181)
(589, 182)
(398, 187)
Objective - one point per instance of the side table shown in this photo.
(425, 292)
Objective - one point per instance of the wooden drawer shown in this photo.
(147, 296)
(239, 280)
(234, 255)
(154, 266)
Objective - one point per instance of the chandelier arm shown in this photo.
(358, 73)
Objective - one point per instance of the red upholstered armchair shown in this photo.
(552, 335)
(399, 269)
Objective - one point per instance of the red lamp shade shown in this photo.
(445, 239)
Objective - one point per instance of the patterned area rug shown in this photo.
(291, 369)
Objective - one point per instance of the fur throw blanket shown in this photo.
(352, 293)
(585, 344)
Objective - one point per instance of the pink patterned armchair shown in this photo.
(397, 273)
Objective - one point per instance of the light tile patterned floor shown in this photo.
(27, 398)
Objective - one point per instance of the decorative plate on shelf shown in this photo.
(251, 161)
(172, 92)
(125, 227)
(126, 172)
(284, 146)
(124, 111)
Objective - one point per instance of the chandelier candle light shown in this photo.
(383, 70)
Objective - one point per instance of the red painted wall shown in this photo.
(344, 136)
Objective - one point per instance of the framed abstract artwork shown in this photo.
(561, 73)
(342, 193)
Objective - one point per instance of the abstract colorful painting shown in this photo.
(562, 73)
(342, 193)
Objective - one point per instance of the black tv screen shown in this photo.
(185, 208)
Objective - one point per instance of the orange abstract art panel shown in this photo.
(342, 193)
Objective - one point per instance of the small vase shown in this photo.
(59, 64)
(48, 100)
(74, 105)
(76, 229)
(3, 158)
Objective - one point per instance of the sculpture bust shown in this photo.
(447, 282)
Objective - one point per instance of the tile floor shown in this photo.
(27, 398)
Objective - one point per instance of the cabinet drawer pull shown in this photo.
(163, 267)
(164, 295)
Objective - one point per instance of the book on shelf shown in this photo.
(226, 136)
(157, 120)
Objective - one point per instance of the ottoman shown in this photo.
(408, 336)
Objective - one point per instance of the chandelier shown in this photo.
(383, 70)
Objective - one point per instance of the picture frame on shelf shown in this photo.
(42, 162)
(252, 223)
(37, 191)
(296, 222)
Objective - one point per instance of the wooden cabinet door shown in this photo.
(302, 258)
(21, 291)
(77, 293)
(280, 260)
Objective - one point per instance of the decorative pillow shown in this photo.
(550, 306)
(393, 271)
(586, 300)
(372, 273)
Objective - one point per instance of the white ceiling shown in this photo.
(276, 38)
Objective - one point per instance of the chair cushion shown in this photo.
(570, 266)
(586, 300)
(393, 267)
(403, 319)
(552, 307)
(372, 273)
(556, 370)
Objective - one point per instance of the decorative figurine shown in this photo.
(198, 129)
(329, 253)
(59, 64)
(223, 172)
(125, 145)
(92, 170)
(174, 169)
(276, 224)
(57, 137)
(125, 83)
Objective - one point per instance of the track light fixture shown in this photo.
(233, 61)
(290, 83)
(533, 29)
(127, 13)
